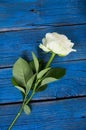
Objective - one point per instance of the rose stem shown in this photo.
(50, 60)
(21, 109)
(16, 117)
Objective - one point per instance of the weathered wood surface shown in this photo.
(26, 13)
(22, 26)
(52, 115)
(21, 43)
(73, 84)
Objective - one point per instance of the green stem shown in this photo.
(18, 114)
(50, 60)
(16, 117)
(32, 92)
(21, 109)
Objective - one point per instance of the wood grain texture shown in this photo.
(73, 84)
(23, 24)
(21, 43)
(56, 115)
(26, 13)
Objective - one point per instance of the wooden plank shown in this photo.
(26, 13)
(73, 84)
(56, 115)
(21, 43)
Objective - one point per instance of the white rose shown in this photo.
(57, 43)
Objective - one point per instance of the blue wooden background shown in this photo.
(23, 23)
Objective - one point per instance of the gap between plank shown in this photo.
(37, 26)
(46, 100)
(10, 66)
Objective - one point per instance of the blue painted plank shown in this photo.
(56, 115)
(27, 13)
(73, 84)
(21, 43)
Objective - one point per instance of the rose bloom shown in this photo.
(57, 43)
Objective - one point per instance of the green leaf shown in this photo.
(23, 96)
(36, 62)
(31, 63)
(41, 73)
(22, 72)
(53, 75)
(56, 73)
(41, 65)
(17, 86)
(48, 80)
(27, 109)
(41, 88)
(29, 83)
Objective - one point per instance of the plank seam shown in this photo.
(46, 100)
(37, 26)
(10, 66)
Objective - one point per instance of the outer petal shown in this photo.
(44, 41)
(65, 53)
(74, 50)
(44, 48)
